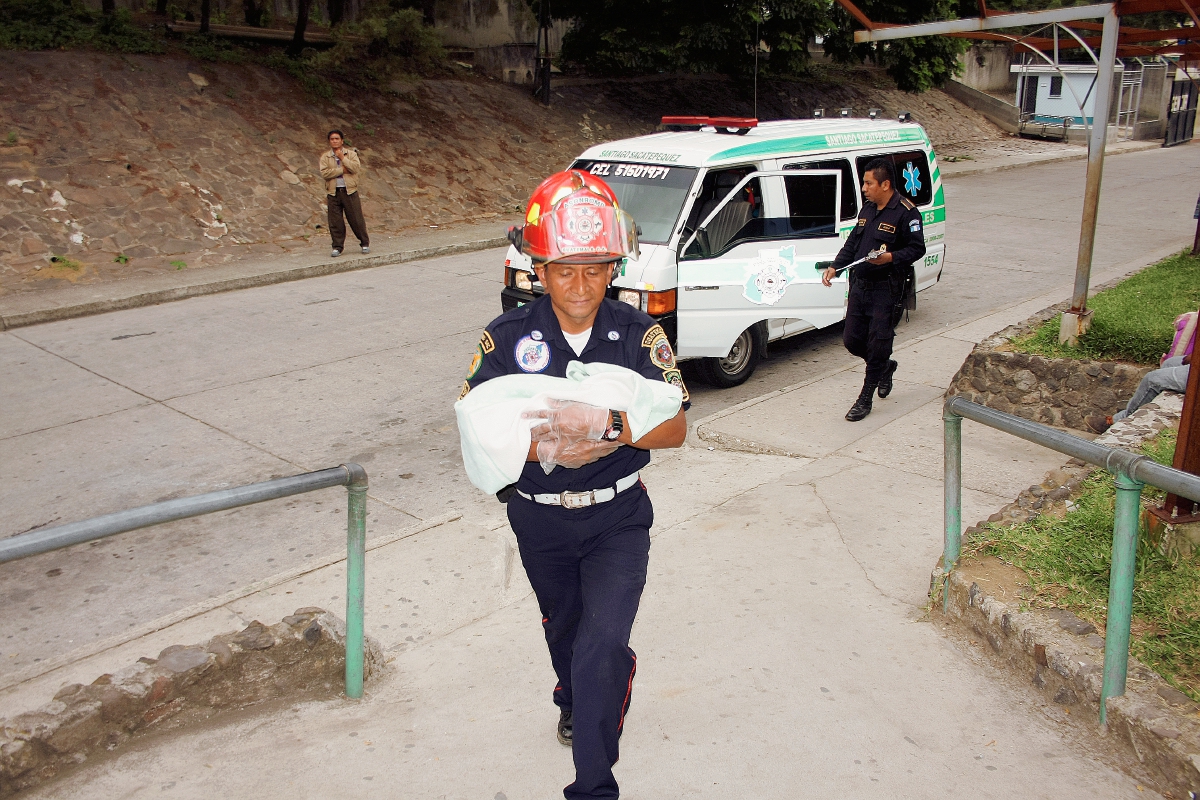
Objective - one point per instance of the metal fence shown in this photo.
(352, 476)
(1132, 473)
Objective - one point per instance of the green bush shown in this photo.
(207, 47)
(388, 42)
(1132, 321)
(48, 25)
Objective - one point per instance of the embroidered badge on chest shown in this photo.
(613, 336)
(532, 355)
(883, 226)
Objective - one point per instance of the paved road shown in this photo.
(113, 411)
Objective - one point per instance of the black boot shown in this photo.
(566, 727)
(862, 406)
(885, 383)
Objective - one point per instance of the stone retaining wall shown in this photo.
(302, 656)
(1058, 391)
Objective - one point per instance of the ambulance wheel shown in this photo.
(735, 368)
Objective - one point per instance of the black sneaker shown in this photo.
(885, 383)
(566, 728)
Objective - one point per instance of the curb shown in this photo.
(984, 169)
(25, 318)
(1152, 728)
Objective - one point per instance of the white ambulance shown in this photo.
(737, 218)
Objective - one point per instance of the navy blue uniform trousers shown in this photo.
(587, 567)
(869, 331)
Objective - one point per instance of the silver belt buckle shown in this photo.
(577, 499)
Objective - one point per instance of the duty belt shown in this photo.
(584, 499)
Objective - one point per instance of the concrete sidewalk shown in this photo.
(782, 640)
(80, 300)
(1068, 152)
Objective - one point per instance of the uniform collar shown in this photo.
(545, 320)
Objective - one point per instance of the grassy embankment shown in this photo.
(1068, 559)
(1132, 321)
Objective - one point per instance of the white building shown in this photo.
(1050, 94)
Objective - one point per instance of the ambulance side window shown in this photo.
(849, 200)
(725, 229)
(912, 174)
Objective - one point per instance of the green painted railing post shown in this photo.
(1127, 514)
(356, 552)
(952, 546)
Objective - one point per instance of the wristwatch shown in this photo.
(615, 428)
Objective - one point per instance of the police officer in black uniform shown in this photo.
(583, 528)
(890, 225)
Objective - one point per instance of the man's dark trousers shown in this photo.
(346, 203)
(869, 331)
(588, 567)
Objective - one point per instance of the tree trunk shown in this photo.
(205, 13)
(160, 8)
(337, 9)
(427, 8)
(297, 46)
(108, 7)
(254, 13)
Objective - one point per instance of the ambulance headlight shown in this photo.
(631, 296)
(523, 280)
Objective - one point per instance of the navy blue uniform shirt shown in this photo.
(529, 340)
(897, 227)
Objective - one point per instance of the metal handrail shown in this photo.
(1132, 473)
(352, 476)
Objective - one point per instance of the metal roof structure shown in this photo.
(1174, 42)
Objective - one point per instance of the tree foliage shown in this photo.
(632, 36)
(915, 64)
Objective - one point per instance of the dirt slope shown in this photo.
(132, 156)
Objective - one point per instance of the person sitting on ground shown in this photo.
(1171, 376)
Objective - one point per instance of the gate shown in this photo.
(1181, 116)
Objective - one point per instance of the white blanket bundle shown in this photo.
(495, 435)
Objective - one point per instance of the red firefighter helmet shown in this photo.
(574, 218)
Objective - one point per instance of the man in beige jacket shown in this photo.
(340, 169)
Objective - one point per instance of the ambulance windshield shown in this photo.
(652, 194)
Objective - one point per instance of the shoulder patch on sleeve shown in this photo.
(904, 201)
(487, 343)
(652, 334)
(675, 378)
(465, 390)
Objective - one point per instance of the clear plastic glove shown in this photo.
(555, 452)
(567, 419)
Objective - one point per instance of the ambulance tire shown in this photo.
(737, 367)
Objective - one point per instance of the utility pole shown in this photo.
(542, 75)
(1076, 321)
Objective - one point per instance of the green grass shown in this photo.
(1132, 321)
(64, 262)
(1068, 560)
(179, 264)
